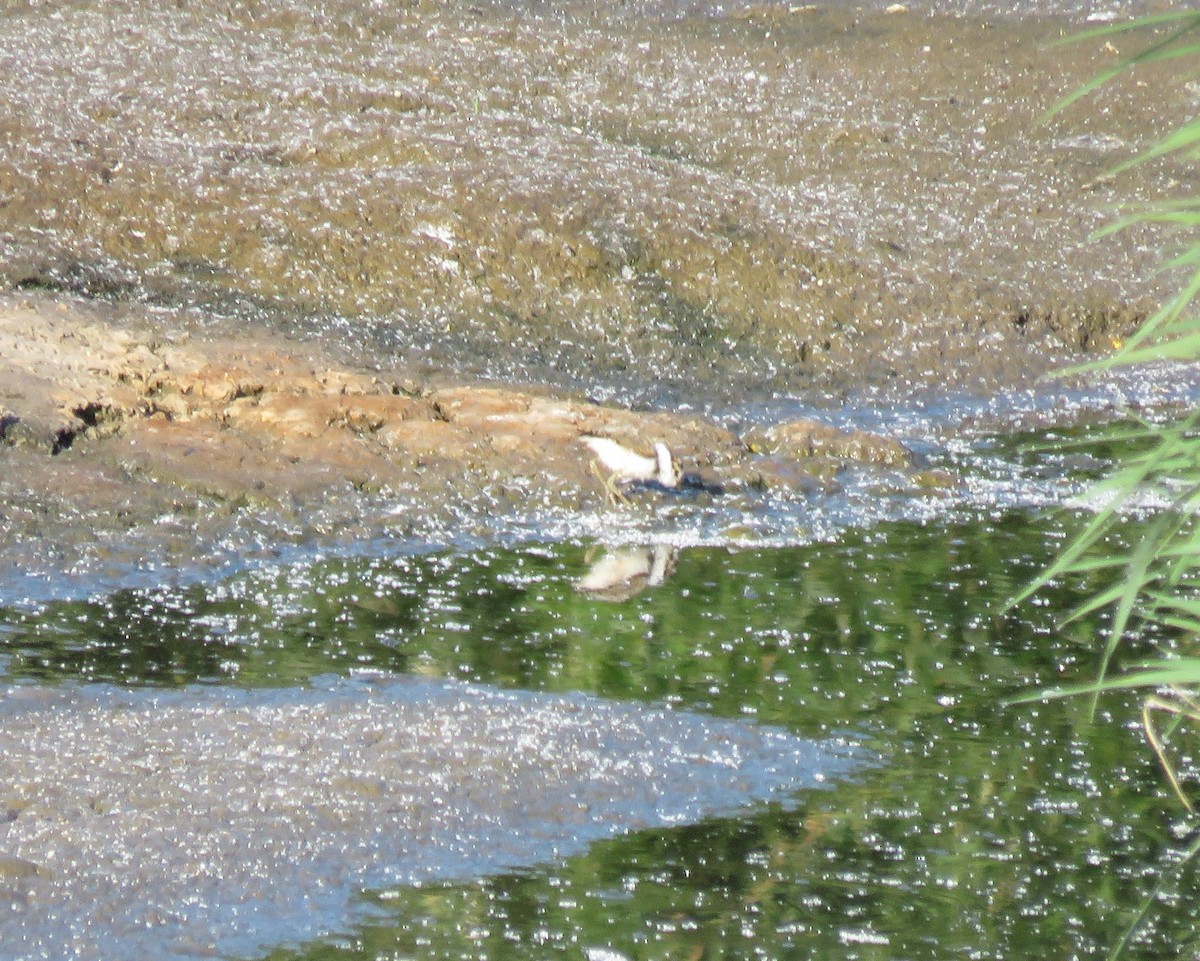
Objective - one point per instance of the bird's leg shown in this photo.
(612, 493)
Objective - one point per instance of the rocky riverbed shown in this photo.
(114, 428)
(267, 262)
(284, 280)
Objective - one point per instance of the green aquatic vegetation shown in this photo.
(962, 837)
(1154, 587)
(1151, 590)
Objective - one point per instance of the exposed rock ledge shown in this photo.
(119, 418)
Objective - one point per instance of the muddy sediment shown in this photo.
(265, 261)
(796, 196)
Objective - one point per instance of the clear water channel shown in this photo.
(877, 791)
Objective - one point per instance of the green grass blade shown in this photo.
(1184, 672)
(1128, 26)
(1151, 899)
(1153, 52)
(1187, 136)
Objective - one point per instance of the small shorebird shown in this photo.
(626, 466)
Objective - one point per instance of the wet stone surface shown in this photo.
(227, 822)
(115, 434)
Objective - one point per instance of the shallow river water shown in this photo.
(572, 750)
(774, 723)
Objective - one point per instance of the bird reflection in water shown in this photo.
(624, 572)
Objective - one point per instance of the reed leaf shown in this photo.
(1183, 672)
(1156, 51)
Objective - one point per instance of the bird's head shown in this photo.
(668, 472)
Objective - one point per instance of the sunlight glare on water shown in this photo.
(974, 827)
(168, 821)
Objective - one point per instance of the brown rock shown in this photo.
(366, 414)
(292, 415)
(790, 474)
(429, 439)
(253, 420)
(220, 385)
(477, 405)
(810, 438)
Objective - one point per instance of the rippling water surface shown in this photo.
(967, 826)
(774, 724)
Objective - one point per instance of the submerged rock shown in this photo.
(222, 822)
(807, 438)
